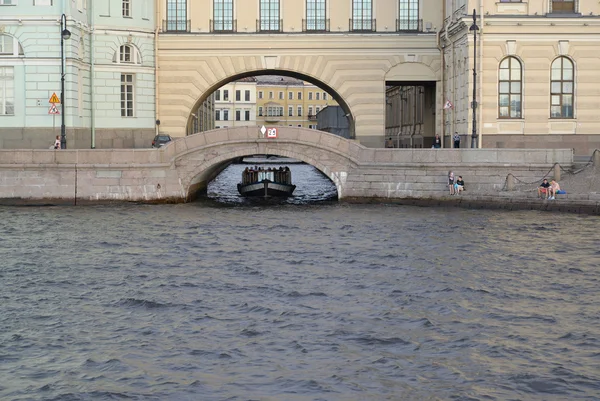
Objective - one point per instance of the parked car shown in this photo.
(161, 140)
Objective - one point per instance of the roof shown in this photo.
(278, 80)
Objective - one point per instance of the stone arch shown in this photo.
(315, 81)
(411, 71)
(200, 157)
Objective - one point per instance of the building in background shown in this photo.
(537, 73)
(332, 119)
(109, 73)
(289, 101)
(235, 104)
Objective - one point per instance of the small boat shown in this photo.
(266, 182)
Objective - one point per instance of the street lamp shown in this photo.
(474, 28)
(64, 35)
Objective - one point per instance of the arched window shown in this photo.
(10, 46)
(561, 88)
(128, 54)
(510, 88)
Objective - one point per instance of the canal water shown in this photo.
(227, 300)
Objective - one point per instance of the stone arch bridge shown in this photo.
(183, 169)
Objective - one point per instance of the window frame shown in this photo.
(316, 15)
(127, 95)
(362, 17)
(178, 21)
(510, 92)
(562, 93)
(269, 15)
(224, 22)
(126, 9)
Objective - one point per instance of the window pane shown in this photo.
(567, 87)
(504, 75)
(555, 74)
(504, 100)
(555, 87)
(503, 111)
(515, 87)
(555, 100)
(504, 87)
(555, 111)
(568, 74)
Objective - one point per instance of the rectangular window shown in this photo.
(316, 18)
(238, 115)
(324, 95)
(226, 115)
(223, 15)
(176, 15)
(218, 94)
(238, 95)
(310, 111)
(260, 94)
(290, 111)
(318, 95)
(310, 95)
(218, 115)
(408, 15)
(563, 6)
(247, 96)
(270, 95)
(362, 14)
(269, 15)
(8, 2)
(7, 91)
(247, 115)
(260, 111)
(280, 95)
(127, 87)
(225, 94)
(126, 8)
(291, 95)
(299, 111)
(299, 95)
(317, 110)
(39, 2)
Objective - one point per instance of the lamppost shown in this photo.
(64, 35)
(474, 28)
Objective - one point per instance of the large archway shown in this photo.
(353, 68)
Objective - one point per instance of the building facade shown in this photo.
(109, 75)
(289, 101)
(537, 79)
(235, 104)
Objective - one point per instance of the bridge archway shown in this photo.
(200, 157)
(352, 68)
(292, 74)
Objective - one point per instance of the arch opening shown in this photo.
(338, 119)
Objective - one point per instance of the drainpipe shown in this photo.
(439, 46)
(92, 73)
(156, 25)
(480, 73)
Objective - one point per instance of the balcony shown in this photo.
(363, 25)
(176, 26)
(315, 25)
(269, 25)
(312, 117)
(409, 25)
(273, 119)
(225, 26)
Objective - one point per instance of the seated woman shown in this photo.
(459, 186)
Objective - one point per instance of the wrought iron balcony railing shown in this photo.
(315, 25)
(363, 25)
(409, 25)
(269, 25)
(176, 25)
(223, 25)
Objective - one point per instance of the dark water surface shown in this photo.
(322, 301)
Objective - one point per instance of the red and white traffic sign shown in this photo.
(271, 132)
(53, 109)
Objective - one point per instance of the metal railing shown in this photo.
(176, 25)
(362, 25)
(223, 25)
(315, 25)
(269, 25)
(409, 25)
